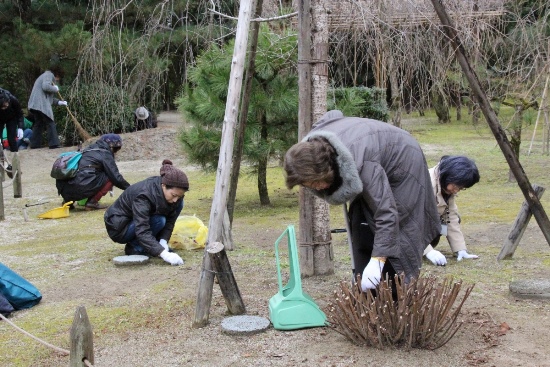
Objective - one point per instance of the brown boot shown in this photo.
(92, 204)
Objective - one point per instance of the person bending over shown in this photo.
(143, 217)
(97, 174)
(381, 169)
(451, 175)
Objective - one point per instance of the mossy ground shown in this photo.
(143, 315)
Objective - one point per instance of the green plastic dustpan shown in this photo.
(292, 308)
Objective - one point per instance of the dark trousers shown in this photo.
(41, 123)
(11, 130)
(362, 240)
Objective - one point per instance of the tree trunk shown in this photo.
(25, 10)
(395, 92)
(262, 166)
(515, 138)
(314, 236)
(441, 106)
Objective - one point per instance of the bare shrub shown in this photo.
(424, 314)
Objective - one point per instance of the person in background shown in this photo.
(382, 170)
(40, 105)
(23, 143)
(451, 175)
(97, 174)
(143, 119)
(11, 117)
(144, 215)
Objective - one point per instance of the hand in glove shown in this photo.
(463, 254)
(164, 244)
(62, 103)
(56, 88)
(171, 257)
(19, 133)
(372, 274)
(437, 258)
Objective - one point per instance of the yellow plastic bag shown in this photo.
(189, 233)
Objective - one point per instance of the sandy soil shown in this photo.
(164, 336)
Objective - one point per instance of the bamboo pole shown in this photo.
(492, 120)
(538, 113)
(219, 202)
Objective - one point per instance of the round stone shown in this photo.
(131, 260)
(244, 325)
(534, 288)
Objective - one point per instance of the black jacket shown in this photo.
(139, 203)
(94, 169)
(12, 113)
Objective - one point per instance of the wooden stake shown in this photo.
(82, 339)
(492, 120)
(16, 168)
(518, 228)
(228, 284)
(219, 202)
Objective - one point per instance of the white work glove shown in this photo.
(62, 103)
(19, 133)
(171, 257)
(164, 244)
(463, 254)
(437, 258)
(56, 88)
(372, 274)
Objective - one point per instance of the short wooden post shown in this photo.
(82, 343)
(16, 168)
(518, 228)
(228, 284)
(2, 179)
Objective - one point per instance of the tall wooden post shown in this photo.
(219, 202)
(492, 120)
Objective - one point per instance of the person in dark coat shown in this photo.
(382, 171)
(143, 217)
(97, 174)
(11, 116)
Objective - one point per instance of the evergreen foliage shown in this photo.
(271, 122)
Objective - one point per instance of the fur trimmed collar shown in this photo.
(351, 182)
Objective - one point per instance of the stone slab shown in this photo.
(533, 288)
(244, 325)
(127, 260)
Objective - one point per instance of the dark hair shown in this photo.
(57, 71)
(310, 161)
(4, 96)
(458, 170)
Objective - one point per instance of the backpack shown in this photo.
(19, 292)
(65, 166)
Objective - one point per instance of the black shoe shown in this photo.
(9, 171)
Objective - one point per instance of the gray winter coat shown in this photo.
(96, 166)
(139, 203)
(386, 167)
(42, 95)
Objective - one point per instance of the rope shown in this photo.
(15, 174)
(310, 244)
(57, 349)
(62, 351)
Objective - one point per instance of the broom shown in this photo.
(83, 133)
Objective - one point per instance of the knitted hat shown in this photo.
(171, 176)
(114, 140)
(142, 113)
